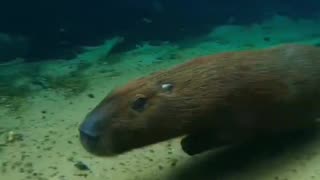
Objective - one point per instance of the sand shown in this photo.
(42, 104)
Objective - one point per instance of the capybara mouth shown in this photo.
(96, 145)
(90, 143)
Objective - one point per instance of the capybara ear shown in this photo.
(167, 87)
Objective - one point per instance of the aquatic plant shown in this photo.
(20, 82)
(69, 85)
(110, 59)
(16, 85)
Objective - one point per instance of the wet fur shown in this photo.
(219, 99)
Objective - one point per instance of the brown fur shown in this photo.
(235, 96)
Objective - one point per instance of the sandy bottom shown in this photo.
(38, 130)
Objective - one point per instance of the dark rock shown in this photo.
(81, 166)
(267, 39)
(90, 95)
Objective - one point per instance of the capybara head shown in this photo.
(145, 111)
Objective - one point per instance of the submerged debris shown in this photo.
(81, 166)
(91, 95)
(12, 137)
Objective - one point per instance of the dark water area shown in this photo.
(57, 29)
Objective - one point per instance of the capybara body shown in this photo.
(220, 99)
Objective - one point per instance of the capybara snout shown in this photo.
(124, 116)
(221, 99)
(92, 129)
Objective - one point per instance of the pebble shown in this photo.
(90, 95)
(81, 166)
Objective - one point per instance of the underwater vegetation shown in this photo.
(70, 84)
(27, 80)
(110, 59)
(14, 86)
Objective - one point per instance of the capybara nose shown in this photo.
(93, 133)
(89, 133)
(88, 140)
(91, 130)
(93, 124)
(85, 134)
(92, 127)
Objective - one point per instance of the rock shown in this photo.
(12, 137)
(90, 95)
(81, 166)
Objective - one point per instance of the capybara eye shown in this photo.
(139, 103)
(167, 87)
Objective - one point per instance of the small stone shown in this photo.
(267, 39)
(81, 166)
(30, 171)
(90, 95)
(71, 159)
(53, 167)
(48, 148)
(294, 170)
(174, 162)
(81, 175)
(21, 170)
(11, 136)
(28, 164)
(54, 174)
(3, 170)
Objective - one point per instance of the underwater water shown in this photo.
(54, 71)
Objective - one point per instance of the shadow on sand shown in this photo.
(218, 165)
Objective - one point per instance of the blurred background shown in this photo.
(37, 30)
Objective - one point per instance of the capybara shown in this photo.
(214, 100)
